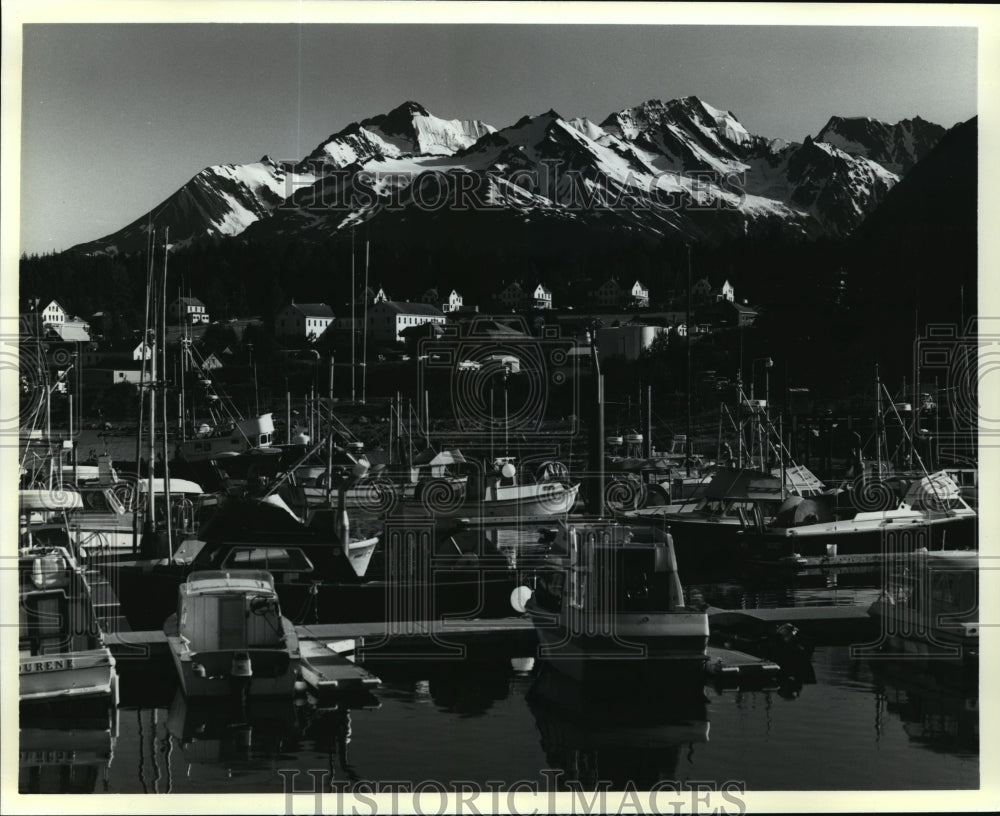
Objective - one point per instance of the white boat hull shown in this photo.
(89, 675)
(550, 500)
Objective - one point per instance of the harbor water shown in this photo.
(846, 723)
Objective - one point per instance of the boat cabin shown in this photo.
(55, 616)
(224, 611)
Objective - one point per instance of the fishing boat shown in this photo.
(707, 528)
(228, 439)
(229, 638)
(497, 491)
(63, 657)
(605, 602)
(932, 509)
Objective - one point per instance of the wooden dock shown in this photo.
(377, 639)
(326, 670)
(825, 624)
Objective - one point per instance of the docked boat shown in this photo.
(63, 657)
(605, 602)
(932, 515)
(317, 579)
(105, 526)
(229, 638)
(930, 609)
(499, 491)
(707, 528)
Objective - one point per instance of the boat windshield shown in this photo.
(273, 559)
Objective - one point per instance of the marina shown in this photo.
(619, 451)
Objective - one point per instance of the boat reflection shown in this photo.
(937, 708)
(467, 688)
(604, 742)
(60, 755)
(225, 731)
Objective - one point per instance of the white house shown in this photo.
(54, 314)
(612, 293)
(188, 310)
(388, 319)
(144, 351)
(541, 298)
(512, 295)
(726, 292)
(639, 296)
(307, 320)
(454, 303)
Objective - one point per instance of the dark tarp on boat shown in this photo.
(796, 510)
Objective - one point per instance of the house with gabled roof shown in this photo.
(639, 296)
(308, 320)
(541, 298)
(389, 319)
(512, 295)
(608, 293)
(54, 314)
(187, 310)
(612, 293)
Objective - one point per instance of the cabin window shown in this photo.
(736, 506)
(273, 559)
(48, 625)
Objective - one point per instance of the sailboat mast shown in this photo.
(144, 352)
(687, 444)
(163, 391)
(364, 337)
(878, 422)
(354, 328)
(151, 312)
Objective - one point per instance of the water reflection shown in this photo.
(468, 688)
(595, 741)
(937, 703)
(65, 755)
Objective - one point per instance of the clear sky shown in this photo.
(118, 116)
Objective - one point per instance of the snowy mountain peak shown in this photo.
(896, 147)
(688, 113)
(640, 168)
(407, 130)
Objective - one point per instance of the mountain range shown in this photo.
(679, 168)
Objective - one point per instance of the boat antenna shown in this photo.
(163, 390)
(354, 328)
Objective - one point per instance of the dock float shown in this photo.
(379, 639)
(326, 670)
(729, 667)
(810, 562)
(826, 624)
